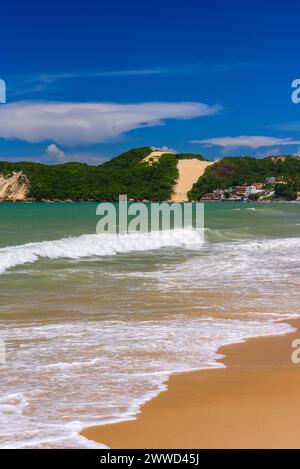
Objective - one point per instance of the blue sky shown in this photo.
(88, 81)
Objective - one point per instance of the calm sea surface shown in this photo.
(94, 326)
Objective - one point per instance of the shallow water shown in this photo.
(93, 325)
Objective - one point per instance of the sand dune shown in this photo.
(189, 173)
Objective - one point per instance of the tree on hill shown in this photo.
(235, 171)
(125, 174)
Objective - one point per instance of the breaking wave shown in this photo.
(96, 245)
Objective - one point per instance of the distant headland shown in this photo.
(146, 174)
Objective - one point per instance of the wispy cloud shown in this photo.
(51, 77)
(35, 83)
(157, 70)
(286, 126)
(250, 141)
(74, 124)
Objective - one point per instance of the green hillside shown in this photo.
(125, 174)
(234, 171)
(129, 174)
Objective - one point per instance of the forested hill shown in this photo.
(125, 174)
(235, 171)
(153, 179)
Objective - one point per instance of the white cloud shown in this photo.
(53, 150)
(164, 148)
(251, 141)
(90, 158)
(74, 124)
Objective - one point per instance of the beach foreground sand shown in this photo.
(253, 403)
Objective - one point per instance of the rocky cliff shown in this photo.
(14, 186)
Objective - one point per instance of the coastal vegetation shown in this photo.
(237, 171)
(142, 178)
(125, 174)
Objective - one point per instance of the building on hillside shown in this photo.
(217, 194)
(266, 195)
(208, 197)
(235, 198)
(258, 185)
(240, 190)
(280, 180)
(270, 180)
(253, 189)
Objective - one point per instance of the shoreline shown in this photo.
(254, 202)
(252, 403)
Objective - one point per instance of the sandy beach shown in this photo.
(119, 318)
(252, 403)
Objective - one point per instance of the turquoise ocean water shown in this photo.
(94, 326)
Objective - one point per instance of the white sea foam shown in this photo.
(134, 360)
(168, 312)
(96, 245)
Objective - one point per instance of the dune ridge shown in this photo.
(189, 172)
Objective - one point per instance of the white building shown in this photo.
(250, 190)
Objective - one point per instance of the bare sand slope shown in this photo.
(254, 403)
(14, 187)
(154, 157)
(189, 173)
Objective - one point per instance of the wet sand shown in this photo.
(253, 403)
